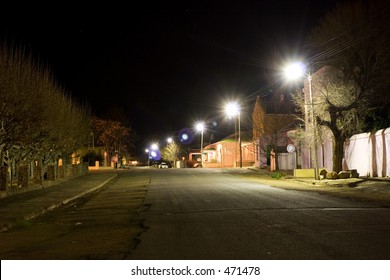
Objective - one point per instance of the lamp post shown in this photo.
(233, 109)
(314, 124)
(294, 71)
(148, 152)
(172, 154)
(200, 127)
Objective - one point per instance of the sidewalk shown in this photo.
(27, 205)
(373, 189)
(369, 184)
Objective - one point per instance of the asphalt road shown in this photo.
(164, 214)
(211, 214)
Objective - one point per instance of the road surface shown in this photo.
(180, 214)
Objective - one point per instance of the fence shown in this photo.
(368, 153)
(39, 176)
(287, 161)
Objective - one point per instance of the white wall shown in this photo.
(387, 153)
(379, 156)
(287, 161)
(358, 154)
(368, 153)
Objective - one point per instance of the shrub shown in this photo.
(277, 175)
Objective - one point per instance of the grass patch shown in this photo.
(22, 223)
(278, 175)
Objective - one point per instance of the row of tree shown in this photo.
(39, 122)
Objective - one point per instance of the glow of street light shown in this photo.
(232, 109)
(200, 126)
(294, 71)
(154, 147)
(185, 136)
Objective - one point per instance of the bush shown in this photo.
(277, 175)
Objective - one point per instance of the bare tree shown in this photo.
(112, 135)
(352, 42)
(269, 130)
(37, 119)
(172, 152)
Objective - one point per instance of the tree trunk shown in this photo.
(23, 176)
(38, 172)
(3, 177)
(50, 172)
(338, 153)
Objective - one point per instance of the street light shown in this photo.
(232, 110)
(148, 152)
(170, 144)
(200, 127)
(292, 72)
(153, 152)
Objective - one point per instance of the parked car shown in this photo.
(163, 165)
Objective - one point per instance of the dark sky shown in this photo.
(164, 65)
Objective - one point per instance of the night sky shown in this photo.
(164, 65)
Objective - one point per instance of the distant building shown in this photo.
(272, 119)
(226, 153)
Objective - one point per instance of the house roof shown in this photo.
(246, 136)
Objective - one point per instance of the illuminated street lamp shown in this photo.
(148, 152)
(153, 152)
(295, 71)
(232, 110)
(200, 127)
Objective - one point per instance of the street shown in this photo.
(195, 214)
(211, 214)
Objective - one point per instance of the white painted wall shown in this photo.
(368, 153)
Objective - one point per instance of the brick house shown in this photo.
(225, 153)
(272, 119)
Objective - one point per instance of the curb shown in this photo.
(40, 212)
(66, 201)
